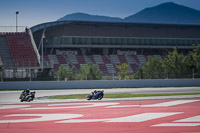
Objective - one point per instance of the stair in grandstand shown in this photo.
(110, 68)
(141, 59)
(87, 60)
(114, 59)
(98, 59)
(131, 60)
(5, 54)
(158, 56)
(53, 58)
(72, 59)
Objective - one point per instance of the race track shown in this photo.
(177, 114)
(152, 116)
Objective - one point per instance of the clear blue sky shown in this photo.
(33, 12)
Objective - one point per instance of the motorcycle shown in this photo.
(26, 96)
(96, 95)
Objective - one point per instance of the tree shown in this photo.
(197, 60)
(95, 73)
(153, 68)
(123, 71)
(90, 72)
(193, 62)
(66, 72)
(84, 70)
(175, 64)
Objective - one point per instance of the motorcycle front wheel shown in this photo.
(100, 97)
(89, 97)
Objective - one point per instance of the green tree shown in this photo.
(123, 71)
(197, 60)
(90, 72)
(84, 71)
(153, 68)
(193, 62)
(175, 64)
(66, 72)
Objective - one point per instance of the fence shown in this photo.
(100, 84)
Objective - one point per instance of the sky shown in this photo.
(34, 12)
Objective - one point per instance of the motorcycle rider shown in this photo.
(26, 92)
(26, 95)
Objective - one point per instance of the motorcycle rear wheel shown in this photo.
(100, 97)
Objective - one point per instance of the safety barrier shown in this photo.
(100, 84)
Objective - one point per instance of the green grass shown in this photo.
(78, 96)
(120, 95)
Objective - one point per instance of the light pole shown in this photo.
(140, 70)
(17, 12)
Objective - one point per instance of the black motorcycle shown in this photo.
(27, 96)
(96, 95)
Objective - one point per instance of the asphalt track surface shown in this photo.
(11, 97)
(171, 115)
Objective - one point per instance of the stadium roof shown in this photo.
(75, 34)
(119, 29)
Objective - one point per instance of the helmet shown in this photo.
(27, 90)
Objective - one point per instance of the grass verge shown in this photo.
(120, 95)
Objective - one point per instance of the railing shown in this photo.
(12, 28)
(34, 45)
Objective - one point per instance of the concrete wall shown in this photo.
(100, 84)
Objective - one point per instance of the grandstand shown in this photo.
(107, 44)
(18, 54)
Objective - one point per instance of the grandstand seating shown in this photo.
(46, 58)
(106, 63)
(87, 60)
(135, 58)
(5, 52)
(122, 59)
(103, 68)
(134, 67)
(80, 59)
(105, 59)
(21, 49)
(91, 58)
